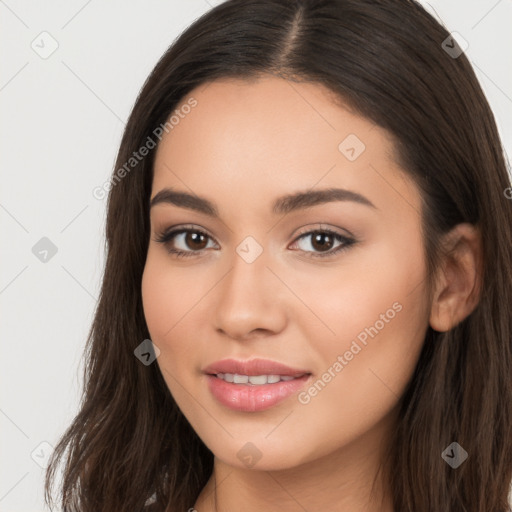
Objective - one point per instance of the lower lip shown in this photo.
(243, 397)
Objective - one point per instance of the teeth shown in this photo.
(258, 379)
(255, 380)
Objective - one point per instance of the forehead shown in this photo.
(266, 113)
(271, 136)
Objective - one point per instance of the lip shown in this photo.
(253, 367)
(248, 398)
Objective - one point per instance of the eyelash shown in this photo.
(166, 236)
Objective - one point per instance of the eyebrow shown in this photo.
(282, 205)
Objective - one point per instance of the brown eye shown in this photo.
(195, 240)
(322, 243)
(184, 242)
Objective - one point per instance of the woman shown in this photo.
(305, 304)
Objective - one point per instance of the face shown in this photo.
(330, 287)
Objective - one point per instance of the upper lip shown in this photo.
(253, 367)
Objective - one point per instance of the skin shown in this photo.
(242, 146)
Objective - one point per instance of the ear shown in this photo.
(459, 278)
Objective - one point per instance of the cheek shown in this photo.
(379, 322)
(172, 296)
(158, 303)
(374, 315)
(376, 287)
(168, 292)
(166, 298)
(163, 308)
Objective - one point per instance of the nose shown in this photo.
(251, 301)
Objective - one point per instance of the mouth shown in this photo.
(255, 385)
(252, 368)
(255, 380)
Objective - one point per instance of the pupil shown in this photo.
(318, 238)
(195, 238)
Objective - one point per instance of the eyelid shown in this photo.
(180, 228)
(324, 227)
(304, 230)
(170, 233)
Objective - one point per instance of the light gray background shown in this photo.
(62, 121)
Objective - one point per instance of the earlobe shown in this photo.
(459, 278)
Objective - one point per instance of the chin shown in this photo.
(258, 453)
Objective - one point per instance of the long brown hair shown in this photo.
(387, 60)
